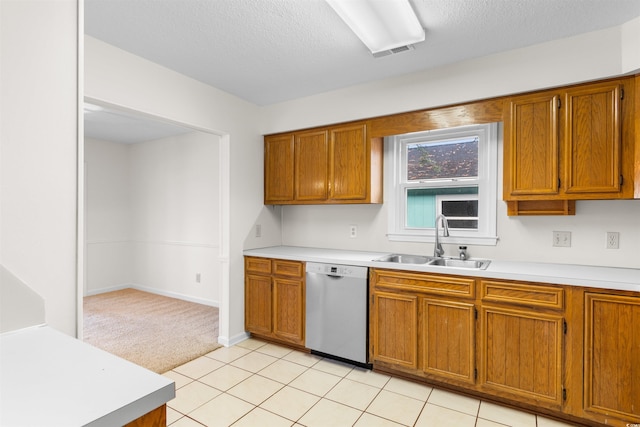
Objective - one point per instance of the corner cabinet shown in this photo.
(275, 299)
(334, 165)
(569, 144)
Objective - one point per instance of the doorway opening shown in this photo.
(152, 212)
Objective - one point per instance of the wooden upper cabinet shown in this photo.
(531, 146)
(592, 139)
(338, 164)
(571, 144)
(278, 168)
(311, 168)
(349, 165)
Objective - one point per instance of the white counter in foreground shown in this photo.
(623, 279)
(50, 379)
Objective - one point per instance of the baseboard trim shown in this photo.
(176, 295)
(108, 289)
(234, 340)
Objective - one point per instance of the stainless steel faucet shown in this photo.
(437, 249)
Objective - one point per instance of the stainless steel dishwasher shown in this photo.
(336, 321)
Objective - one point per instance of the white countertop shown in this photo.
(50, 379)
(624, 279)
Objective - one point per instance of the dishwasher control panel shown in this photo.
(336, 269)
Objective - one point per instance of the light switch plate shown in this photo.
(562, 239)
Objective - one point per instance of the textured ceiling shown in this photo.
(268, 51)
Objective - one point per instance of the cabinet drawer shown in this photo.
(288, 268)
(424, 283)
(257, 265)
(522, 293)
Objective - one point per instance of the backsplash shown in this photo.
(520, 238)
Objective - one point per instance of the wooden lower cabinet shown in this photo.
(275, 299)
(448, 336)
(416, 326)
(522, 341)
(288, 310)
(521, 355)
(612, 357)
(155, 418)
(258, 304)
(394, 322)
(563, 351)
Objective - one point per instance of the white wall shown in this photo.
(551, 64)
(108, 216)
(153, 216)
(20, 306)
(117, 78)
(175, 228)
(38, 137)
(556, 63)
(520, 238)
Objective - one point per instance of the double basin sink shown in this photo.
(477, 264)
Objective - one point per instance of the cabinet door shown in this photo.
(288, 306)
(278, 169)
(521, 355)
(349, 163)
(612, 356)
(257, 304)
(531, 146)
(311, 165)
(394, 329)
(592, 138)
(448, 339)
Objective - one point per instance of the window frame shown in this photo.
(489, 137)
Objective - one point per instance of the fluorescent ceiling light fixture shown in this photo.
(381, 24)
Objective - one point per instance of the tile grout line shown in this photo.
(307, 368)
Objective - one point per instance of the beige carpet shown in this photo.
(153, 331)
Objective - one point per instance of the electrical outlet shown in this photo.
(613, 240)
(198, 277)
(258, 230)
(562, 239)
(353, 231)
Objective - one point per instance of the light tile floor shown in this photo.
(259, 384)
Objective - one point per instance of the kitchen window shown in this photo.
(452, 172)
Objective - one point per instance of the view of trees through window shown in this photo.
(443, 160)
(450, 172)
